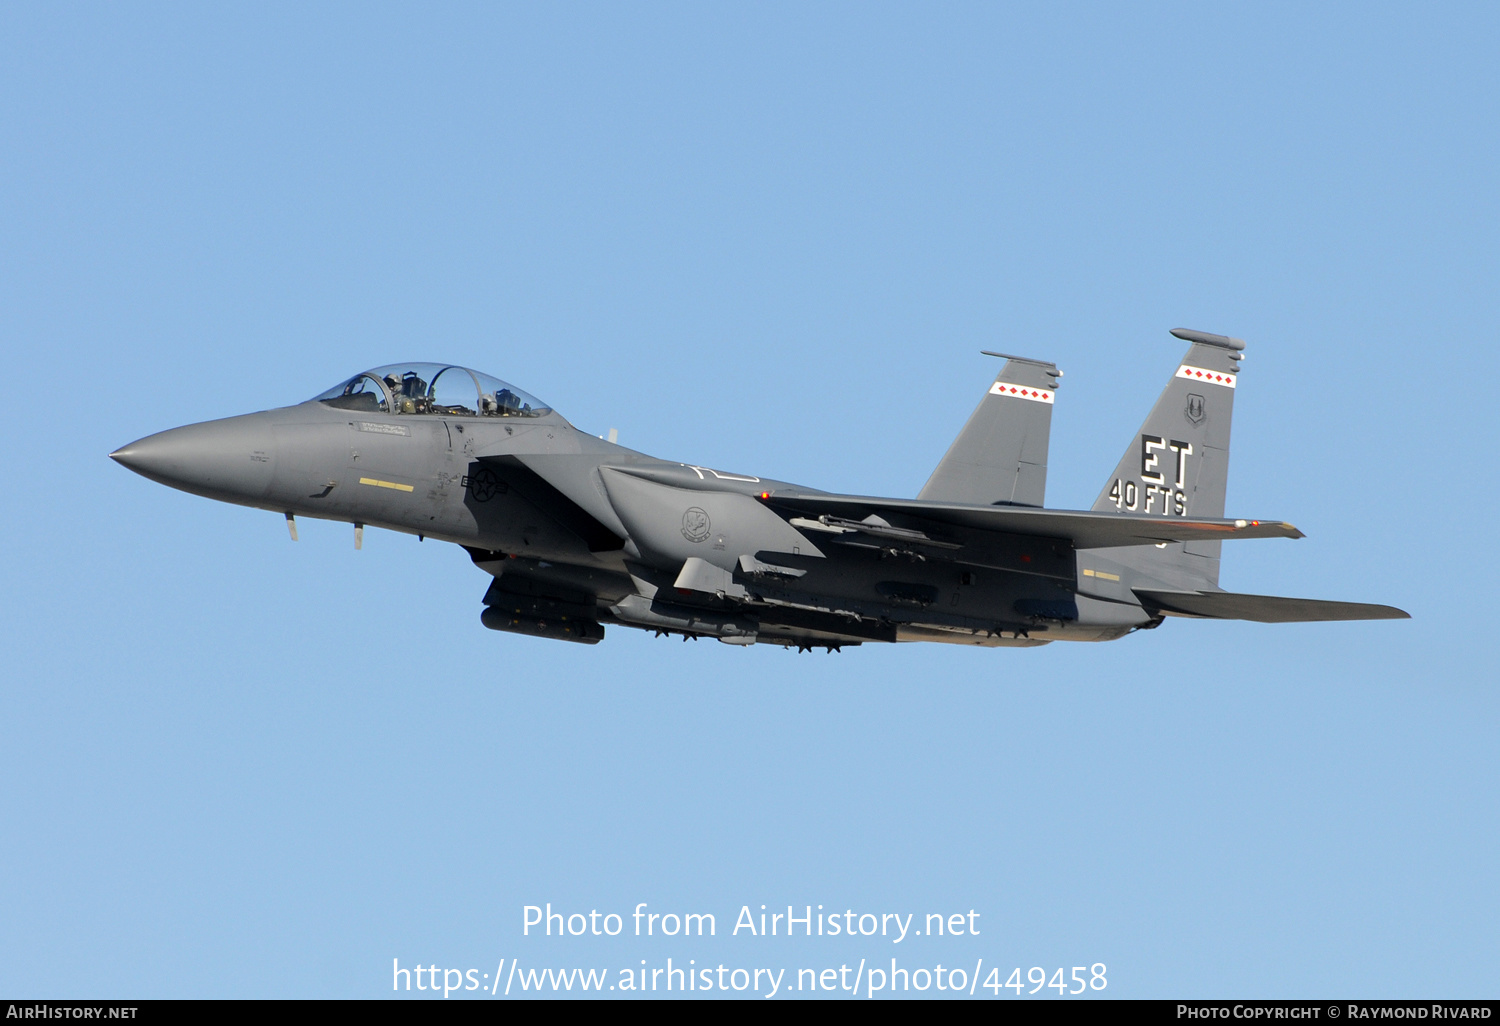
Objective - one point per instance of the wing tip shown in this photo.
(1276, 528)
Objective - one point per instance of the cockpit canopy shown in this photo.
(431, 388)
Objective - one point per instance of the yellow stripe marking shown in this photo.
(1101, 575)
(386, 484)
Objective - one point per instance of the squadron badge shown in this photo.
(696, 525)
(1194, 410)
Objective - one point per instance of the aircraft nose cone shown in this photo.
(222, 459)
(133, 456)
(152, 456)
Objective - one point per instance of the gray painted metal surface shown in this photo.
(577, 532)
(1001, 454)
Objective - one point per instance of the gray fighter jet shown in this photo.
(577, 532)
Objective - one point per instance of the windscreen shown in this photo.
(432, 389)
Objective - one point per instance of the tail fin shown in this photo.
(1179, 463)
(1000, 457)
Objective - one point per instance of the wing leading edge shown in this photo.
(1085, 530)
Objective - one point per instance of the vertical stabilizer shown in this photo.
(1000, 456)
(1178, 463)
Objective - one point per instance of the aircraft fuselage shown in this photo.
(578, 532)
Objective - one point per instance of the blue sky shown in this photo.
(770, 239)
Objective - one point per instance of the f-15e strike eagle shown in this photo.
(577, 532)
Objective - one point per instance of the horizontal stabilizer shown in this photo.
(1226, 605)
(1086, 530)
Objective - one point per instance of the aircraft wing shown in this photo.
(1083, 529)
(1226, 605)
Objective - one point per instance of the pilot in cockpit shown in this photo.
(438, 389)
(410, 392)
